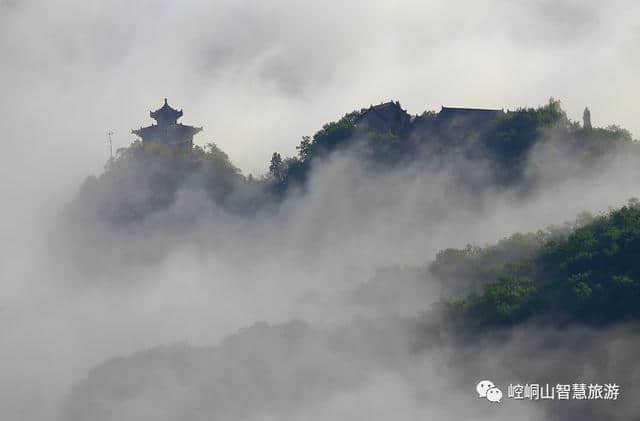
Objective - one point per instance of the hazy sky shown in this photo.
(258, 75)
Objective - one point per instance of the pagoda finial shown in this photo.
(165, 101)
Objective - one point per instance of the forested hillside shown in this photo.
(588, 274)
(376, 188)
(142, 181)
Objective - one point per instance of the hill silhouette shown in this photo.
(143, 180)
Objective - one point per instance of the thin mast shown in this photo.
(109, 133)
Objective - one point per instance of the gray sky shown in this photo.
(259, 75)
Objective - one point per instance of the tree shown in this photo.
(276, 168)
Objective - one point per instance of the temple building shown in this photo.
(462, 122)
(168, 131)
(385, 116)
(469, 115)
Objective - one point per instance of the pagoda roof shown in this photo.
(385, 105)
(175, 131)
(166, 113)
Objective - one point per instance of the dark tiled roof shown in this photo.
(166, 113)
(470, 110)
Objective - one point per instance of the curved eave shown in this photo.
(165, 114)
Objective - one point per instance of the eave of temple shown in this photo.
(175, 133)
(456, 111)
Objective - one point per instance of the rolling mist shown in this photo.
(171, 322)
(295, 310)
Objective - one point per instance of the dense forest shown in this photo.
(586, 274)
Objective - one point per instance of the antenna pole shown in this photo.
(109, 134)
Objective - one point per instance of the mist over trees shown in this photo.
(152, 188)
(587, 275)
(300, 245)
(580, 276)
(146, 180)
(143, 180)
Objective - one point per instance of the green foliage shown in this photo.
(276, 167)
(461, 270)
(616, 134)
(509, 299)
(505, 141)
(143, 179)
(590, 275)
(514, 134)
(330, 137)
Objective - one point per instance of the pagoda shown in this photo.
(168, 131)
